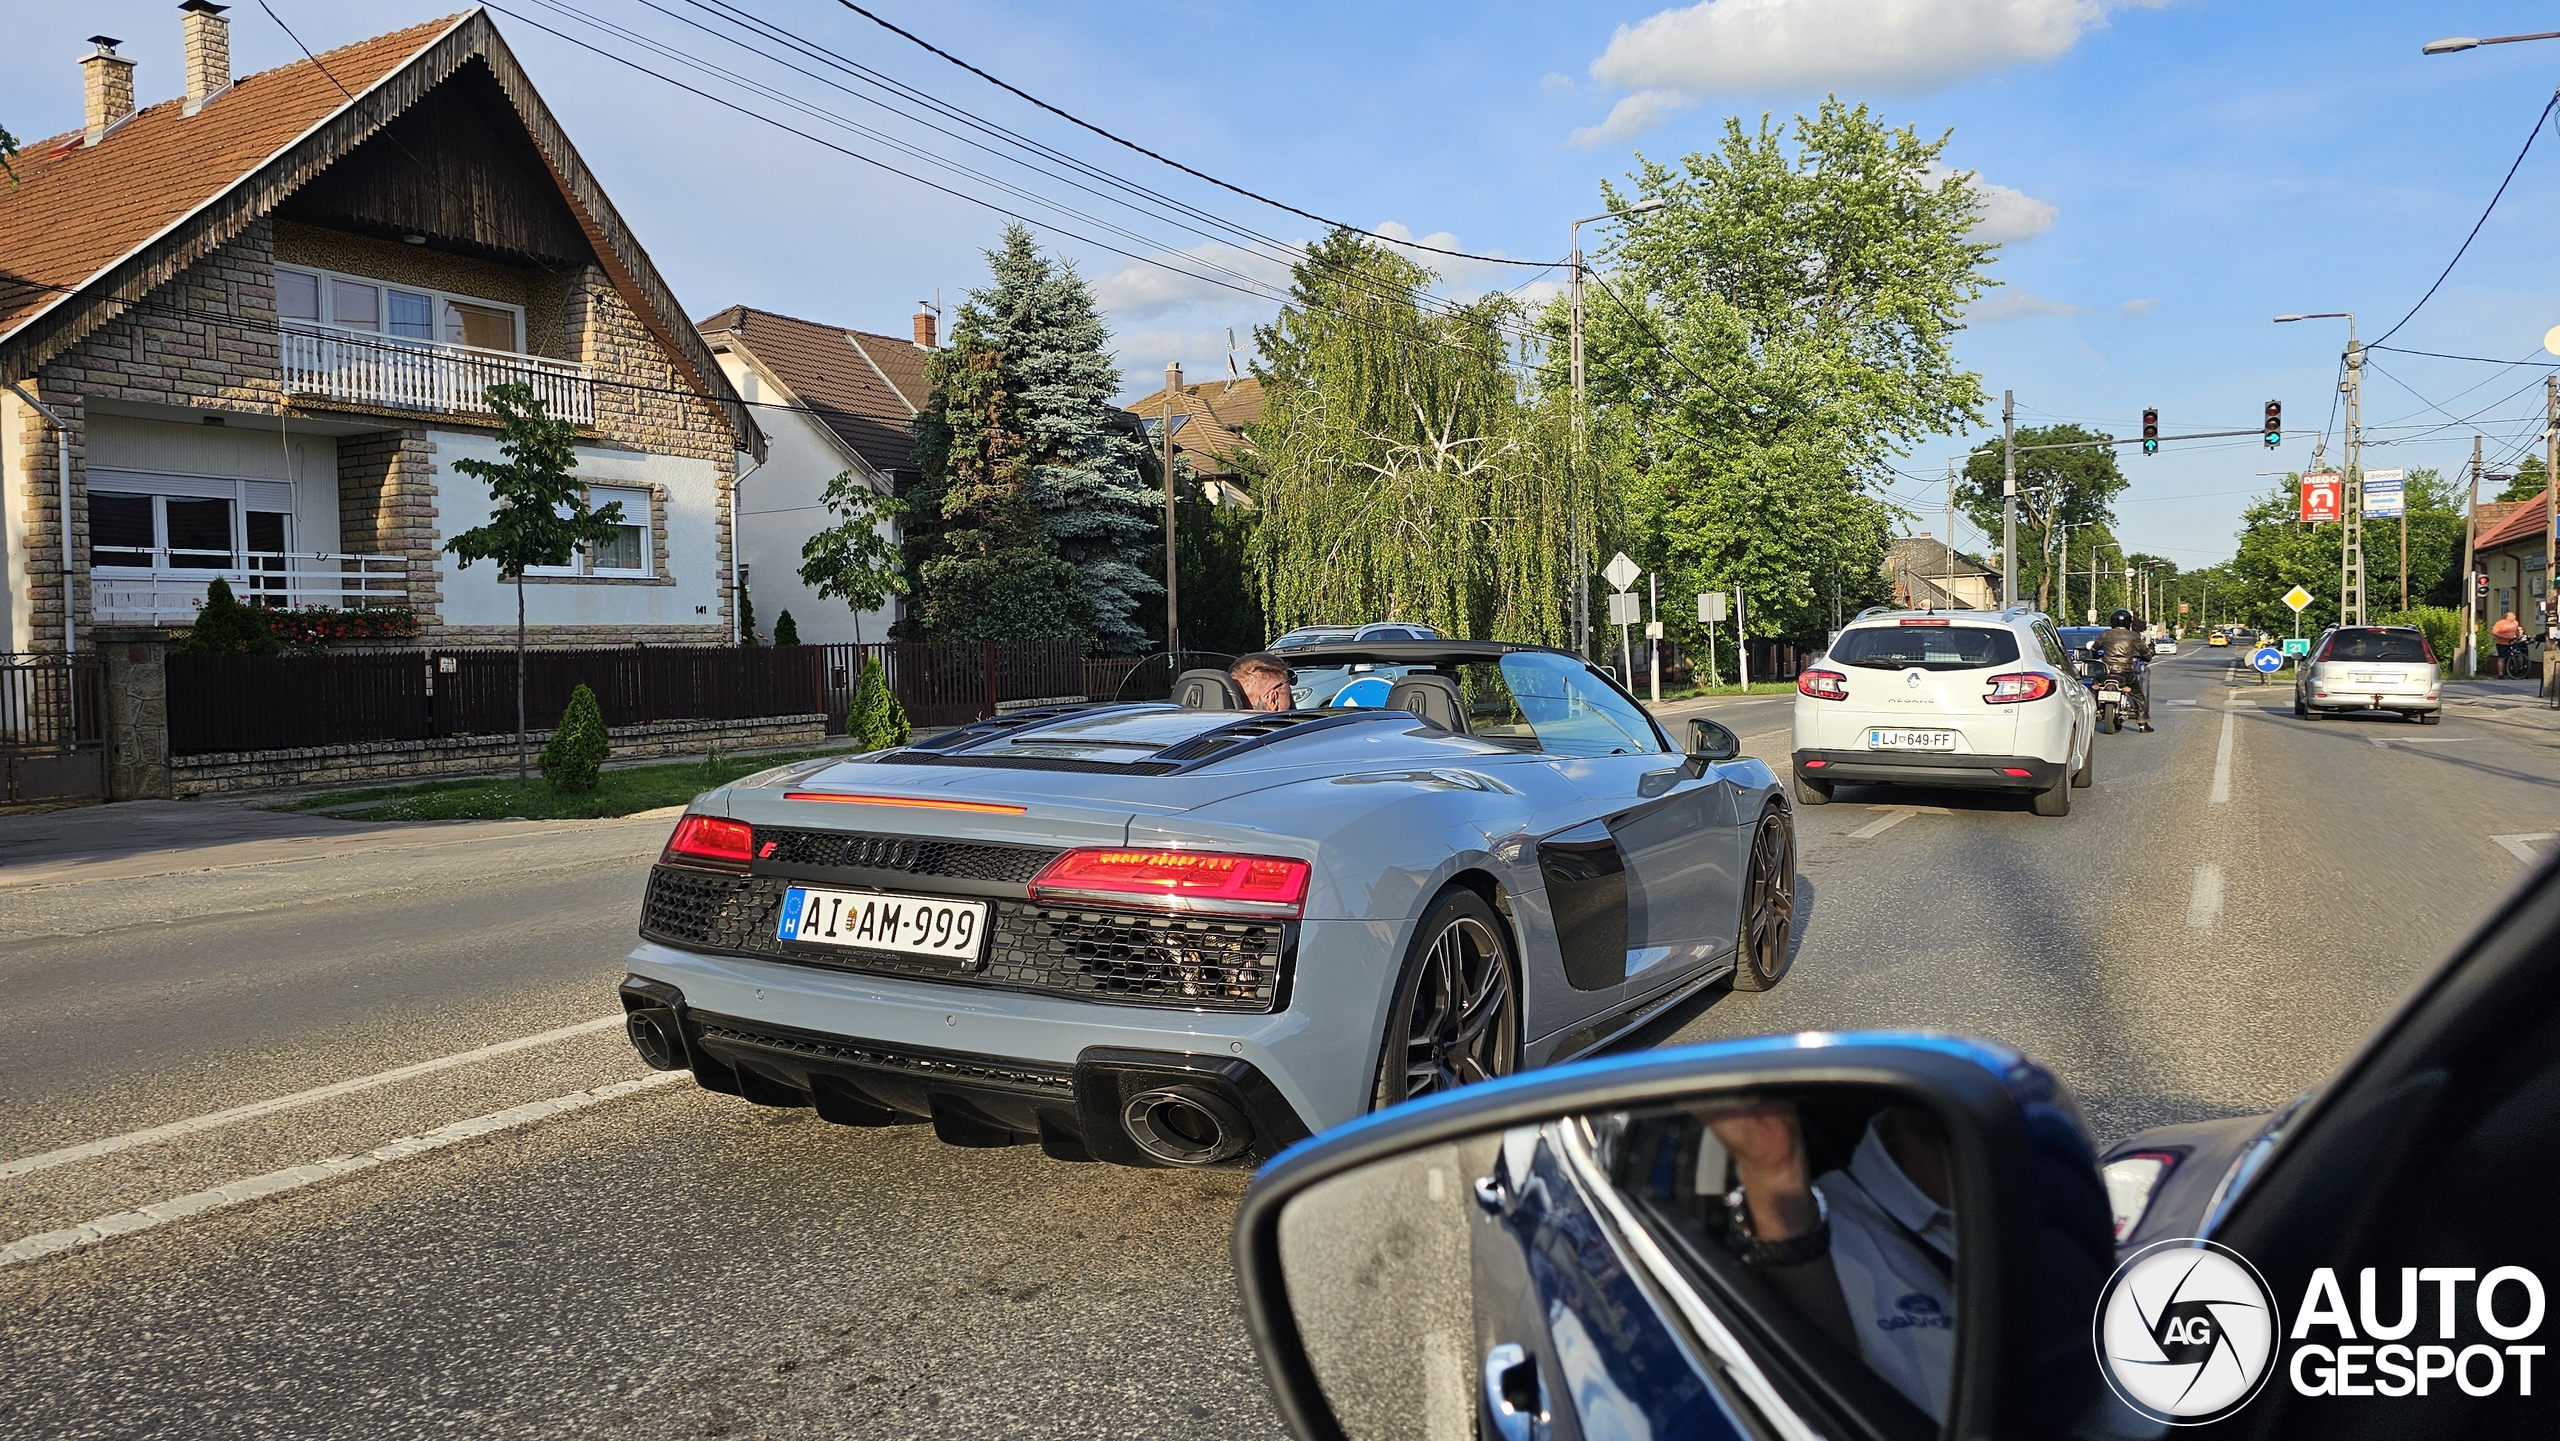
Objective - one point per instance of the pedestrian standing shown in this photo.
(2508, 632)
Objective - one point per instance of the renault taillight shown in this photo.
(2019, 687)
(1823, 684)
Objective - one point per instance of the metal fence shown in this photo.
(223, 703)
(53, 729)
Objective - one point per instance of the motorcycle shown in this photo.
(2114, 693)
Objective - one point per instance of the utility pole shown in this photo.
(1951, 529)
(2008, 498)
(1172, 610)
(2062, 570)
(2351, 510)
(2550, 521)
(1574, 508)
(2469, 661)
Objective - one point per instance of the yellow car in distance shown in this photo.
(2217, 638)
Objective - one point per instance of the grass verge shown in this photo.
(1701, 692)
(619, 792)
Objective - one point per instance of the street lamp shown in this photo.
(2452, 43)
(1581, 570)
(2351, 500)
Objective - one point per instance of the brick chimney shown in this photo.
(106, 87)
(208, 51)
(924, 327)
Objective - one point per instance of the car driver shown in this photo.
(1265, 680)
(1867, 1252)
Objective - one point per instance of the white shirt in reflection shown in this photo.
(1903, 1305)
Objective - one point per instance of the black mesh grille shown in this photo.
(853, 850)
(1123, 957)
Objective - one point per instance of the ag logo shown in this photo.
(2186, 1332)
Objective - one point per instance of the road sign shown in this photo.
(1622, 573)
(1626, 608)
(2266, 661)
(2385, 494)
(2182, 607)
(2320, 497)
(1653, 630)
(1711, 607)
(2296, 645)
(2297, 598)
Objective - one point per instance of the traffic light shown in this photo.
(2275, 424)
(2480, 584)
(2151, 431)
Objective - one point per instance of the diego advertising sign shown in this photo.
(2188, 1332)
(2320, 497)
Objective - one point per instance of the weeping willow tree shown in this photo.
(1401, 469)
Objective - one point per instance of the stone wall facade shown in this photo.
(233, 772)
(387, 506)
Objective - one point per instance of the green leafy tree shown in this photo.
(1400, 470)
(877, 719)
(226, 627)
(2526, 483)
(852, 561)
(786, 631)
(1760, 345)
(2074, 489)
(2278, 552)
(540, 512)
(9, 152)
(574, 760)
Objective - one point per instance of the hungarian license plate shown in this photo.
(2111, 693)
(873, 921)
(2377, 677)
(1881, 740)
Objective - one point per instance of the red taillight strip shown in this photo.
(990, 808)
(710, 841)
(2019, 687)
(1823, 684)
(1212, 881)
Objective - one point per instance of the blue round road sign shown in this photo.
(2268, 661)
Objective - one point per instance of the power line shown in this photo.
(2536, 134)
(1082, 123)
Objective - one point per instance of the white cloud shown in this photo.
(1553, 84)
(2011, 302)
(2142, 306)
(1148, 292)
(1466, 279)
(1675, 58)
(2005, 216)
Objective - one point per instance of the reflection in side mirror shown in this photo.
(1712, 740)
(1776, 1247)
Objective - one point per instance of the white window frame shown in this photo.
(582, 565)
(436, 300)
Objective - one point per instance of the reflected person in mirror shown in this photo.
(1264, 678)
(1867, 1251)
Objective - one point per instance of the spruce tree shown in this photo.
(1032, 517)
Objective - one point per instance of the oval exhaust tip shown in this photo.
(1184, 1126)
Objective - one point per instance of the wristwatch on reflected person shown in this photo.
(1801, 1250)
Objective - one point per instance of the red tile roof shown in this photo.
(866, 388)
(80, 208)
(1219, 410)
(2522, 523)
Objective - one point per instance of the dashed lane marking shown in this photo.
(47, 1160)
(2521, 847)
(294, 1178)
(1880, 825)
(2222, 763)
(2204, 903)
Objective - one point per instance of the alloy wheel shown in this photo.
(1464, 1026)
(1768, 907)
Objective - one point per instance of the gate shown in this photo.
(53, 729)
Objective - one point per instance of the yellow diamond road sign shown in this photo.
(2297, 598)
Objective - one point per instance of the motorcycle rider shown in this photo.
(2126, 653)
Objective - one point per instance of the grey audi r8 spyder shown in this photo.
(1190, 934)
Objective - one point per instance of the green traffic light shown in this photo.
(2151, 447)
(2275, 438)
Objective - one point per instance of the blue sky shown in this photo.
(2168, 175)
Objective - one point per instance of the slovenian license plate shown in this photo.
(1881, 740)
(871, 920)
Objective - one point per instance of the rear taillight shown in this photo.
(2019, 687)
(1179, 880)
(1823, 685)
(711, 841)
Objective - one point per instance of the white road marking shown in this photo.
(2379, 742)
(2222, 764)
(1880, 825)
(2437, 740)
(294, 1178)
(2204, 903)
(2521, 847)
(47, 1160)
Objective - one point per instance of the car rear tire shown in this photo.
(1812, 793)
(2055, 799)
(2088, 771)
(2430, 717)
(1766, 930)
(1455, 1018)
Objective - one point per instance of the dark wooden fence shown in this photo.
(250, 703)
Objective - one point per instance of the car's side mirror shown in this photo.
(1712, 740)
(1880, 1235)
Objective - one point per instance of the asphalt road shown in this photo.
(660, 1262)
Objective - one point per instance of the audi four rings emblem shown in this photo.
(2186, 1331)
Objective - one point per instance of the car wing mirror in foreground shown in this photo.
(1712, 740)
(1847, 1236)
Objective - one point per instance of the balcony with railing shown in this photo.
(170, 589)
(324, 362)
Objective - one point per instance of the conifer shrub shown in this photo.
(226, 627)
(786, 631)
(878, 721)
(578, 748)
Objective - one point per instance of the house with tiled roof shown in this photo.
(1209, 421)
(1927, 573)
(247, 332)
(2510, 549)
(830, 400)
